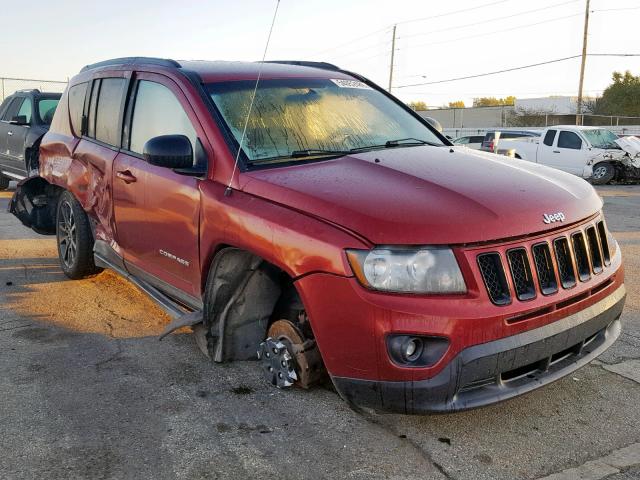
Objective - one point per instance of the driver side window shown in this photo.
(569, 140)
(25, 109)
(157, 112)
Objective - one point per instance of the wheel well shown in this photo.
(244, 295)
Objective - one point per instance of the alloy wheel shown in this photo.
(67, 236)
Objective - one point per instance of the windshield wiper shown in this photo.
(400, 142)
(310, 152)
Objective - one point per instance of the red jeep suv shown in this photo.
(298, 211)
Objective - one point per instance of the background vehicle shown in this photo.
(25, 117)
(492, 138)
(589, 152)
(471, 141)
(363, 244)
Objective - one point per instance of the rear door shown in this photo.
(7, 163)
(18, 134)
(156, 209)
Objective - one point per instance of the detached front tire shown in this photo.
(603, 173)
(74, 238)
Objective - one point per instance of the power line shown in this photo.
(557, 60)
(492, 20)
(464, 10)
(485, 34)
(388, 27)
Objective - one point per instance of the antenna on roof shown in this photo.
(228, 190)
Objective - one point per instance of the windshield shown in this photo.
(600, 138)
(295, 119)
(46, 109)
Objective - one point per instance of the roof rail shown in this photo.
(28, 90)
(163, 62)
(305, 63)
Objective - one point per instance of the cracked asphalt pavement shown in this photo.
(88, 392)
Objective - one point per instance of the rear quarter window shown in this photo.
(77, 95)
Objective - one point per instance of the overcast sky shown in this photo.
(53, 39)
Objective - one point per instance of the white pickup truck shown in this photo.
(589, 152)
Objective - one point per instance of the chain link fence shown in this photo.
(11, 85)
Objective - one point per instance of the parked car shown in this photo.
(419, 275)
(492, 138)
(589, 152)
(470, 141)
(25, 117)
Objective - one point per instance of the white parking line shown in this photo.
(601, 467)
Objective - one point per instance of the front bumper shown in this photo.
(500, 369)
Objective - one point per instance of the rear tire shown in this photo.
(4, 182)
(603, 173)
(74, 238)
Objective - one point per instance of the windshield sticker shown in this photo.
(351, 84)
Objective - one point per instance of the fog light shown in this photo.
(412, 348)
(414, 351)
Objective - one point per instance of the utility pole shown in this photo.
(584, 59)
(393, 51)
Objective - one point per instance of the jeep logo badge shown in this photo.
(553, 217)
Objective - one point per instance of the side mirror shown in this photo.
(169, 151)
(19, 120)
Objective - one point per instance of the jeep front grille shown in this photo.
(578, 255)
(494, 278)
(521, 274)
(565, 264)
(544, 268)
(594, 250)
(582, 260)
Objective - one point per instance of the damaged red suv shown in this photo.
(312, 218)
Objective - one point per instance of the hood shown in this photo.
(428, 195)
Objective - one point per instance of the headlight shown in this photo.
(423, 270)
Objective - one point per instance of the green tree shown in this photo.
(418, 105)
(493, 101)
(456, 104)
(622, 97)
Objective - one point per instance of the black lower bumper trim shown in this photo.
(501, 369)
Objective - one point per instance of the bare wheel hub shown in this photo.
(292, 358)
(277, 363)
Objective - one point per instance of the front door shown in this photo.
(567, 153)
(157, 210)
(12, 136)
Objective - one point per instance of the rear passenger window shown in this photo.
(110, 98)
(549, 137)
(157, 111)
(91, 127)
(569, 140)
(76, 106)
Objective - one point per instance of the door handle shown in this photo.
(9, 133)
(126, 176)
(556, 151)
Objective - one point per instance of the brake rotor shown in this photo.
(291, 359)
